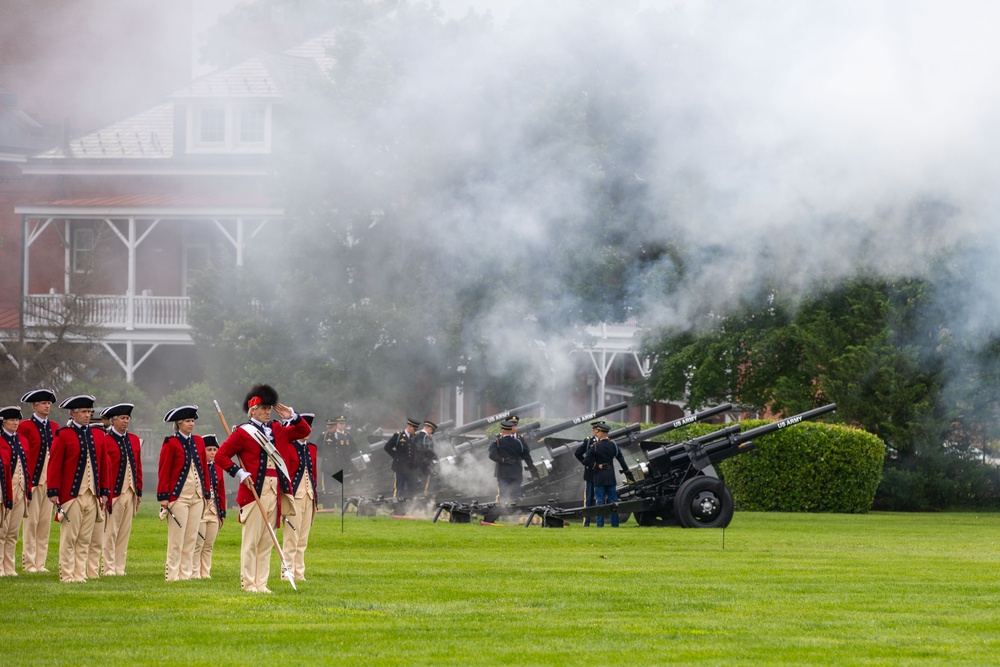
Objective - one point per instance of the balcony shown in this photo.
(114, 312)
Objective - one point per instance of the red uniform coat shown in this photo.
(175, 461)
(14, 456)
(33, 432)
(66, 466)
(217, 484)
(121, 452)
(253, 459)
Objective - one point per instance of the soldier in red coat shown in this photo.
(215, 512)
(261, 470)
(77, 482)
(37, 432)
(17, 487)
(294, 541)
(182, 489)
(125, 473)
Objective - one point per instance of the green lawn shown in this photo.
(787, 589)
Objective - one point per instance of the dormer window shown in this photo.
(234, 127)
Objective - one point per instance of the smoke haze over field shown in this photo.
(730, 147)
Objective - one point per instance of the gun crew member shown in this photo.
(258, 468)
(295, 540)
(215, 512)
(125, 473)
(16, 487)
(588, 472)
(600, 457)
(78, 484)
(425, 458)
(338, 447)
(38, 432)
(182, 489)
(508, 451)
(400, 448)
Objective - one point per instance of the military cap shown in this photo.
(181, 413)
(117, 410)
(515, 419)
(331, 422)
(594, 424)
(602, 427)
(10, 412)
(308, 417)
(260, 394)
(38, 395)
(412, 422)
(210, 440)
(434, 427)
(77, 402)
(507, 425)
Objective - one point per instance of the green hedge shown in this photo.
(811, 467)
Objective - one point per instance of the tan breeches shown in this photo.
(35, 533)
(181, 539)
(203, 547)
(294, 542)
(117, 531)
(75, 534)
(255, 551)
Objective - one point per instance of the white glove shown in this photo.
(241, 475)
(163, 512)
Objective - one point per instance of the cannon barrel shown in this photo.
(570, 423)
(722, 444)
(680, 449)
(678, 423)
(500, 416)
(617, 433)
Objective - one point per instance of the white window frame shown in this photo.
(233, 117)
(81, 249)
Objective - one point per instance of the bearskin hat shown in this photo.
(264, 392)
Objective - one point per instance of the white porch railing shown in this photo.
(108, 311)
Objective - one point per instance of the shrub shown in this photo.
(813, 467)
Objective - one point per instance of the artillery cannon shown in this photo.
(679, 483)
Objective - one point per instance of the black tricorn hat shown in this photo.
(181, 413)
(10, 412)
(260, 394)
(308, 417)
(210, 440)
(117, 410)
(37, 395)
(77, 402)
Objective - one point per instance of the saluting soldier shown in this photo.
(215, 512)
(600, 456)
(400, 448)
(17, 487)
(260, 471)
(38, 432)
(588, 472)
(125, 473)
(295, 540)
(181, 489)
(508, 451)
(77, 482)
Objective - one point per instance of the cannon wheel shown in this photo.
(704, 502)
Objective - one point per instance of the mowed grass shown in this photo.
(882, 589)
